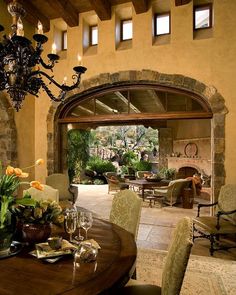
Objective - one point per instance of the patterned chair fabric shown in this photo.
(223, 223)
(48, 193)
(171, 194)
(126, 211)
(61, 182)
(174, 268)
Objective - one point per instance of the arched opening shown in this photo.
(195, 101)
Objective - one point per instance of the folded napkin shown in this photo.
(91, 242)
(43, 250)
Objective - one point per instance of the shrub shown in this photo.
(142, 166)
(100, 166)
(168, 173)
(98, 181)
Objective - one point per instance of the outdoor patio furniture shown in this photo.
(223, 223)
(115, 183)
(126, 210)
(174, 268)
(172, 193)
(60, 181)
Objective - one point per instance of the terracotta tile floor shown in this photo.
(156, 224)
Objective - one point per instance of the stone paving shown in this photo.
(156, 224)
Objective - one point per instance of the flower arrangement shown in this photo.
(44, 211)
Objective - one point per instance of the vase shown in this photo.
(35, 233)
(6, 237)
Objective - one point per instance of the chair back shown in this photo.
(60, 182)
(227, 201)
(48, 193)
(177, 257)
(175, 189)
(126, 211)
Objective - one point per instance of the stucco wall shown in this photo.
(211, 61)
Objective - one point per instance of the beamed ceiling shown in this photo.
(69, 10)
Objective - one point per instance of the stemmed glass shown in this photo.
(86, 221)
(70, 223)
(79, 237)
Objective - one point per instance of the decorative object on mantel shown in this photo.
(191, 150)
(9, 183)
(20, 73)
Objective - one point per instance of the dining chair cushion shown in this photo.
(227, 201)
(126, 210)
(47, 193)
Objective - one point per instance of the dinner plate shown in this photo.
(15, 248)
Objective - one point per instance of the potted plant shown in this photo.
(9, 182)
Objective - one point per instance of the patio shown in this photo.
(156, 223)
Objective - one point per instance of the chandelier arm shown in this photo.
(47, 66)
(61, 96)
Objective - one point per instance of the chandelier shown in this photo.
(20, 62)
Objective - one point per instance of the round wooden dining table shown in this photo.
(115, 264)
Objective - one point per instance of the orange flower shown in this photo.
(17, 171)
(39, 162)
(9, 170)
(37, 185)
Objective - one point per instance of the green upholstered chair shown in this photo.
(114, 182)
(61, 182)
(171, 194)
(174, 268)
(126, 211)
(47, 193)
(223, 223)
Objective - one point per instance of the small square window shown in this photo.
(64, 40)
(162, 24)
(126, 30)
(203, 16)
(93, 35)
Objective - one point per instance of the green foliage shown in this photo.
(142, 166)
(78, 151)
(128, 157)
(100, 166)
(98, 181)
(168, 173)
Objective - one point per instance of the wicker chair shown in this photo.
(175, 265)
(223, 223)
(114, 182)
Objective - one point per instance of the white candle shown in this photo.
(20, 28)
(79, 59)
(40, 28)
(54, 48)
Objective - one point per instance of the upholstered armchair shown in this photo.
(126, 211)
(174, 268)
(171, 194)
(48, 193)
(67, 192)
(224, 221)
(114, 182)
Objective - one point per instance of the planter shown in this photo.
(35, 233)
(6, 238)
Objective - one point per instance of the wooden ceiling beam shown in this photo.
(33, 15)
(140, 6)
(102, 8)
(67, 11)
(181, 2)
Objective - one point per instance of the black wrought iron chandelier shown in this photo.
(19, 63)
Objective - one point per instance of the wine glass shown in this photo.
(70, 223)
(86, 221)
(79, 237)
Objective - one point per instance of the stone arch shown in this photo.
(207, 95)
(8, 134)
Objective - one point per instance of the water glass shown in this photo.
(86, 221)
(79, 237)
